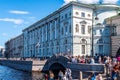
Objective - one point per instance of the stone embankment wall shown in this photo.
(38, 65)
(20, 65)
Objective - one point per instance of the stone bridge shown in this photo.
(57, 63)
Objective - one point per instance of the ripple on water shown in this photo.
(7, 73)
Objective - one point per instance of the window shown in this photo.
(66, 29)
(61, 17)
(83, 29)
(70, 29)
(62, 31)
(84, 41)
(82, 14)
(77, 28)
(89, 29)
(76, 13)
(65, 15)
(89, 15)
(83, 49)
(100, 31)
(94, 32)
(65, 41)
(70, 14)
(100, 41)
(114, 33)
(57, 43)
(101, 49)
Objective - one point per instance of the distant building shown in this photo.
(114, 24)
(2, 50)
(14, 47)
(7, 49)
(101, 31)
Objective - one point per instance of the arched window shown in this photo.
(89, 15)
(83, 46)
(100, 41)
(83, 41)
(77, 28)
(77, 13)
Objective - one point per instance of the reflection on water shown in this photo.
(37, 76)
(7, 73)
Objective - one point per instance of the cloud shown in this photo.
(4, 34)
(1, 47)
(18, 12)
(89, 1)
(93, 1)
(15, 21)
(83, 1)
(110, 1)
(67, 1)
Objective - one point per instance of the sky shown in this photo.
(16, 15)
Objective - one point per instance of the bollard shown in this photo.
(80, 75)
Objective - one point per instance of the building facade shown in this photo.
(114, 24)
(66, 31)
(69, 30)
(74, 29)
(14, 47)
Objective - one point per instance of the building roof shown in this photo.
(92, 6)
(59, 10)
(108, 20)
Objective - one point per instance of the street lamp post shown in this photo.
(92, 36)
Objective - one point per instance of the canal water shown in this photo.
(7, 73)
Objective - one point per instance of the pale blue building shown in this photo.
(68, 31)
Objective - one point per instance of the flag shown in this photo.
(38, 44)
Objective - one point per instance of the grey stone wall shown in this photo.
(20, 65)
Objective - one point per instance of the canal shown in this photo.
(7, 73)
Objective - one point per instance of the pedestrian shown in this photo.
(60, 75)
(68, 74)
(92, 76)
(92, 61)
(99, 77)
(115, 71)
(64, 77)
(46, 76)
(51, 75)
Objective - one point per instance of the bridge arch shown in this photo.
(118, 52)
(60, 60)
(55, 64)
